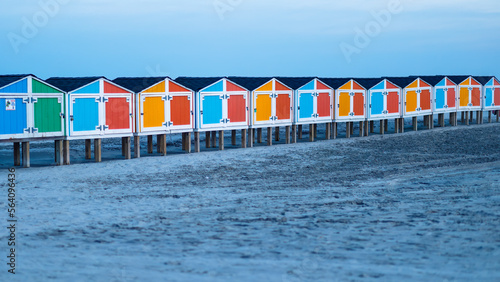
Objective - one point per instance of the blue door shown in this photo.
(212, 110)
(306, 105)
(440, 101)
(85, 114)
(377, 103)
(12, 116)
(489, 97)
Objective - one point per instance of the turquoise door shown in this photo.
(377, 103)
(306, 105)
(85, 114)
(489, 97)
(440, 101)
(212, 110)
(13, 116)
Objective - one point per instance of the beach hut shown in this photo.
(350, 102)
(163, 106)
(469, 96)
(30, 110)
(221, 104)
(97, 108)
(491, 97)
(445, 97)
(417, 99)
(383, 102)
(271, 106)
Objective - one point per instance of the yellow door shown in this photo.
(464, 97)
(154, 112)
(344, 104)
(411, 101)
(263, 107)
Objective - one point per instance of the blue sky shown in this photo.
(359, 38)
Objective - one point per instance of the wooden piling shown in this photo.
(244, 138)
(277, 134)
(402, 125)
(251, 137)
(347, 130)
(162, 144)
(269, 136)
(214, 139)
(59, 152)
(361, 129)
(26, 154)
(352, 127)
(372, 126)
(311, 132)
(127, 145)
(382, 127)
(294, 133)
(124, 145)
(478, 117)
(221, 140)
(66, 155)
(197, 147)
(287, 134)
(150, 144)
(207, 139)
(489, 116)
(396, 125)
(137, 147)
(188, 143)
(88, 149)
(328, 132)
(158, 145)
(233, 137)
(17, 154)
(367, 128)
(386, 125)
(415, 123)
(471, 114)
(430, 122)
(97, 150)
(259, 135)
(300, 131)
(315, 131)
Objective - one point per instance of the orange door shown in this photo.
(117, 113)
(180, 111)
(323, 104)
(425, 100)
(359, 104)
(344, 104)
(411, 101)
(464, 97)
(393, 102)
(236, 108)
(283, 106)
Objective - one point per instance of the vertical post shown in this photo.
(214, 139)
(372, 126)
(251, 137)
(150, 144)
(97, 150)
(415, 124)
(300, 131)
(467, 118)
(361, 129)
(311, 132)
(396, 125)
(66, 156)
(386, 125)
(382, 127)
(287, 134)
(315, 130)
(478, 117)
(244, 138)
(124, 145)
(430, 120)
(294, 133)
(335, 130)
(88, 149)
(347, 130)
(463, 118)
(402, 125)
(221, 140)
(471, 116)
(489, 116)
(59, 152)
(163, 144)
(17, 153)
(183, 142)
(426, 120)
(158, 145)
(328, 132)
(277, 133)
(233, 137)
(367, 128)
(207, 139)
(188, 142)
(26, 154)
(128, 152)
(137, 147)
(259, 135)
(352, 127)
(197, 148)
(269, 136)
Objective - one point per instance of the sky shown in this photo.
(324, 38)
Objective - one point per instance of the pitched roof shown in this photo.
(335, 83)
(432, 79)
(138, 84)
(250, 83)
(457, 79)
(368, 83)
(69, 84)
(8, 79)
(402, 81)
(483, 79)
(197, 83)
(295, 82)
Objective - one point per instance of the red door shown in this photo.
(497, 97)
(236, 108)
(425, 100)
(451, 98)
(283, 107)
(323, 104)
(393, 103)
(180, 110)
(476, 97)
(117, 113)
(359, 104)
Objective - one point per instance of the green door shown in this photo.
(47, 115)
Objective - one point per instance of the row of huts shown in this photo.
(91, 108)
